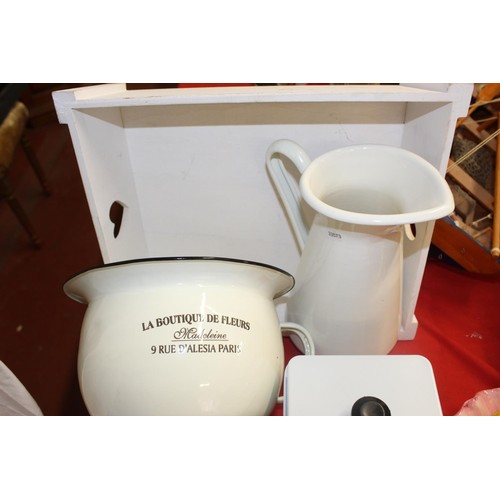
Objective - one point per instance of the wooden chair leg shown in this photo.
(7, 193)
(32, 158)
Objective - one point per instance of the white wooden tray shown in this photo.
(188, 165)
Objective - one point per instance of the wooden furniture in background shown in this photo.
(472, 245)
(12, 133)
(495, 246)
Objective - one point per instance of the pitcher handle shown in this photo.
(286, 185)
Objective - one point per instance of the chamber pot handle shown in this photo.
(293, 329)
(286, 184)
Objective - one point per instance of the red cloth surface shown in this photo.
(458, 315)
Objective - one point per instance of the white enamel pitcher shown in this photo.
(348, 291)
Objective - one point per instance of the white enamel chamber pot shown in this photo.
(182, 336)
(348, 291)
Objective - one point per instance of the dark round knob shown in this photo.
(370, 406)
